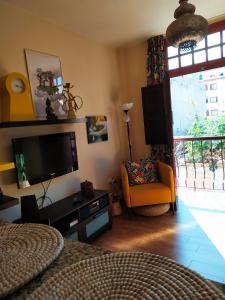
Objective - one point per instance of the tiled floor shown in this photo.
(194, 236)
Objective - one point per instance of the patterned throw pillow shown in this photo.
(141, 171)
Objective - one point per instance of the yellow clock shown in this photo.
(16, 100)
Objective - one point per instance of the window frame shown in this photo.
(212, 85)
(212, 114)
(214, 97)
(213, 28)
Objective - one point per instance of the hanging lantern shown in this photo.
(188, 29)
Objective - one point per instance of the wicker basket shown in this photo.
(152, 210)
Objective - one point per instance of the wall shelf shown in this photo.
(8, 202)
(41, 122)
(6, 166)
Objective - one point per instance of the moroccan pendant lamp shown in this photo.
(188, 29)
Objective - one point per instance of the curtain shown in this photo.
(156, 60)
(161, 152)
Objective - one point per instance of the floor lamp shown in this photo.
(125, 108)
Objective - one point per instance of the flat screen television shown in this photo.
(41, 158)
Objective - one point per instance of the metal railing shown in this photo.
(200, 162)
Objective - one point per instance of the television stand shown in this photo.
(78, 217)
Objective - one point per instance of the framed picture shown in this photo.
(96, 129)
(46, 81)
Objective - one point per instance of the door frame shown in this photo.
(194, 68)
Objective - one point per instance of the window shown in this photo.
(213, 99)
(207, 100)
(214, 112)
(186, 60)
(206, 86)
(209, 49)
(173, 63)
(214, 39)
(213, 86)
(199, 57)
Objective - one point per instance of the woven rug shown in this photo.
(130, 275)
(25, 251)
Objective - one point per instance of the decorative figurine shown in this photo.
(21, 171)
(70, 103)
(87, 188)
(50, 116)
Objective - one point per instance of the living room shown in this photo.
(102, 48)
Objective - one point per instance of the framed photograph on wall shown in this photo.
(96, 129)
(46, 81)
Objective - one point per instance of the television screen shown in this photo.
(39, 158)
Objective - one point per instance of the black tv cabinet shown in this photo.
(78, 217)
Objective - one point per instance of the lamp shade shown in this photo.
(127, 106)
(188, 29)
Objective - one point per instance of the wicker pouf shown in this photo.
(25, 251)
(127, 276)
(152, 210)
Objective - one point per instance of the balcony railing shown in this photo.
(200, 162)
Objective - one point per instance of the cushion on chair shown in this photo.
(147, 194)
(141, 171)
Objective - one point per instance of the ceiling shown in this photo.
(115, 22)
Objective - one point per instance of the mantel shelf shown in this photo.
(41, 122)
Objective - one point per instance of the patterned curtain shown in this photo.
(155, 75)
(156, 60)
(161, 152)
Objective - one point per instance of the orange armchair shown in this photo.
(152, 193)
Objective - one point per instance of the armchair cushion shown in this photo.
(153, 193)
(141, 171)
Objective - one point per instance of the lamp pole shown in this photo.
(128, 135)
(125, 108)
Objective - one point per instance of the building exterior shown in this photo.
(198, 94)
(214, 84)
(188, 101)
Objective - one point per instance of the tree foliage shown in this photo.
(210, 152)
(207, 126)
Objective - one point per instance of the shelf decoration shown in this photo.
(50, 115)
(71, 104)
(21, 171)
(16, 101)
(46, 84)
(87, 188)
(96, 129)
